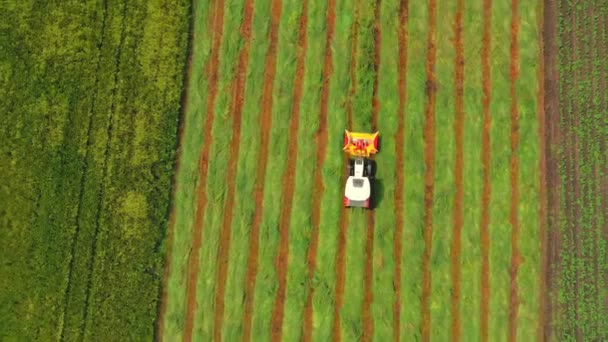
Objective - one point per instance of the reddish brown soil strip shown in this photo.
(237, 108)
(343, 218)
(368, 294)
(514, 173)
(400, 165)
(458, 173)
(552, 140)
(542, 165)
(171, 226)
(429, 175)
(201, 194)
(485, 165)
(321, 143)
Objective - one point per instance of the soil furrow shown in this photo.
(104, 176)
(292, 149)
(400, 165)
(320, 143)
(201, 193)
(429, 175)
(235, 142)
(83, 178)
(458, 219)
(485, 165)
(368, 297)
(162, 305)
(514, 174)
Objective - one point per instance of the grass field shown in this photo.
(174, 170)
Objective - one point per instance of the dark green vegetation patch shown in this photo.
(90, 94)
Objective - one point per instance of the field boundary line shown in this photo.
(429, 161)
(236, 108)
(101, 193)
(340, 258)
(85, 167)
(368, 275)
(400, 164)
(486, 158)
(458, 212)
(514, 173)
(320, 142)
(162, 303)
(201, 193)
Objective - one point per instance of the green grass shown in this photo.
(105, 188)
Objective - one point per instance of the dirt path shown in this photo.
(162, 308)
(485, 165)
(321, 144)
(400, 164)
(514, 174)
(292, 149)
(458, 173)
(552, 140)
(429, 175)
(201, 194)
(368, 275)
(235, 142)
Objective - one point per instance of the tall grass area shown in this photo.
(529, 154)
(413, 241)
(300, 225)
(470, 258)
(191, 145)
(384, 231)
(91, 95)
(500, 228)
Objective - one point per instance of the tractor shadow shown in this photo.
(377, 192)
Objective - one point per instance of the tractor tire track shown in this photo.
(258, 192)
(514, 174)
(292, 149)
(429, 162)
(235, 142)
(101, 192)
(343, 217)
(458, 218)
(368, 275)
(85, 166)
(162, 305)
(400, 164)
(197, 234)
(321, 143)
(485, 162)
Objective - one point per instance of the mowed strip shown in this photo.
(458, 212)
(429, 163)
(201, 193)
(238, 89)
(402, 33)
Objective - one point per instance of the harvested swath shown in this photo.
(458, 173)
(162, 308)
(400, 165)
(201, 193)
(368, 321)
(552, 181)
(429, 162)
(320, 142)
(237, 108)
(292, 149)
(485, 163)
(514, 173)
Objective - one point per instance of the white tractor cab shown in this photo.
(358, 190)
